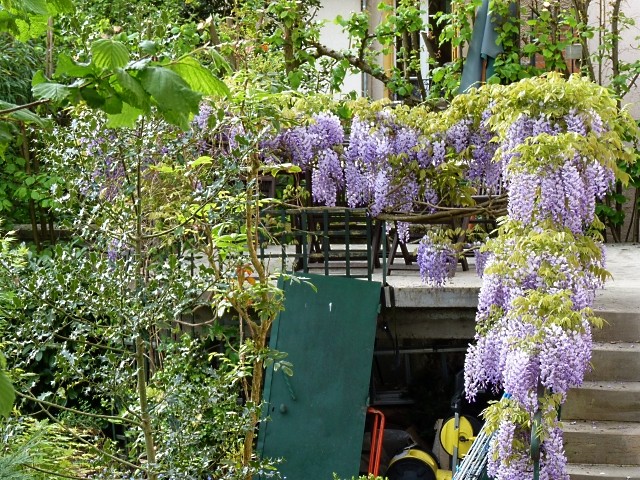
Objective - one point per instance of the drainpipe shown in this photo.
(387, 60)
(365, 78)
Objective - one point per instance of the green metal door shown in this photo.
(316, 417)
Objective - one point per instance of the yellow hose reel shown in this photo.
(457, 439)
(416, 464)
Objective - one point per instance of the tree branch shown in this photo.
(53, 474)
(17, 108)
(93, 447)
(324, 51)
(77, 412)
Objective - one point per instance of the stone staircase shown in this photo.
(601, 419)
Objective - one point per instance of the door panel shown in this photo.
(316, 417)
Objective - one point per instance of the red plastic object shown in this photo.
(377, 434)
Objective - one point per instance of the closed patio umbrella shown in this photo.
(483, 47)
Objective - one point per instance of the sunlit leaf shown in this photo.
(49, 90)
(24, 115)
(66, 66)
(126, 118)
(203, 160)
(109, 54)
(60, 6)
(198, 77)
(35, 6)
(7, 395)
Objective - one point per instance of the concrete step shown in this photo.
(615, 361)
(610, 472)
(619, 327)
(606, 401)
(607, 443)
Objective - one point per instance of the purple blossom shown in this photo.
(424, 152)
(520, 376)
(439, 151)
(504, 461)
(458, 135)
(298, 145)
(356, 185)
(522, 189)
(597, 125)
(575, 122)
(553, 462)
(430, 197)
(381, 191)
(405, 142)
(484, 364)
(325, 131)
(564, 358)
(328, 178)
(437, 262)
(481, 259)
(201, 120)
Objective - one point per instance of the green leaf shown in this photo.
(66, 66)
(61, 6)
(38, 7)
(92, 97)
(169, 90)
(34, 28)
(180, 119)
(203, 160)
(139, 64)
(162, 168)
(7, 395)
(53, 91)
(38, 78)
(112, 103)
(126, 118)
(199, 78)
(219, 61)
(8, 22)
(109, 54)
(132, 91)
(6, 132)
(295, 79)
(149, 47)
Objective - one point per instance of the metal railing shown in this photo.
(336, 241)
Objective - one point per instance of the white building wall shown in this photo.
(333, 37)
(600, 15)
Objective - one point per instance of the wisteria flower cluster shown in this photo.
(564, 188)
(314, 147)
(552, 143)
(437, 261)
(534, 316)
(394, 162)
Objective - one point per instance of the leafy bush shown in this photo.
(39, 450)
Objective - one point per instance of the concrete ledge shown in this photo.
(610, 472)
(604, 401)
(446, 297)
(588, 441)
(615, 362)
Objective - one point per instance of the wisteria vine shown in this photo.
(554, 145)
(559, 143)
